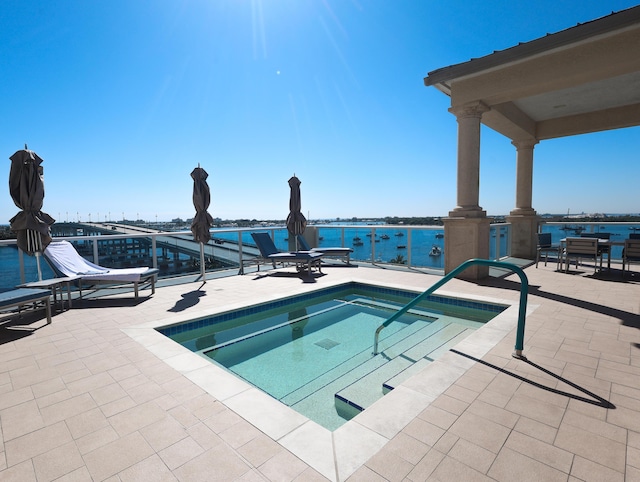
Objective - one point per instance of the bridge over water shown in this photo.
(224, 251)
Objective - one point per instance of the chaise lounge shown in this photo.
(269, 253)
(66, 262)
(21, 297)
(326, 252)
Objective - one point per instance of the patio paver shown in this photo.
(94, 395)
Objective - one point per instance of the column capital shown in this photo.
(472, 109)
(525, 143)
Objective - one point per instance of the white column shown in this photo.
(524, 176)
(468, 189)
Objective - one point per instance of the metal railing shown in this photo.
(175, 253)
(524, 291)
(617, 231)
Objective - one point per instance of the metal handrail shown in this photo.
(524, 291)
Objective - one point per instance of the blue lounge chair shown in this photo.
(269, 253)
(21, 297)
(326, 252)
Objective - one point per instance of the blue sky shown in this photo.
(122, 99)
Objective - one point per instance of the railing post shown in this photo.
(373, 245)
(240, 261)
(409, 247)
(96, 258)
(154, 254)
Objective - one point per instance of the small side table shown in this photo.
(55, 284)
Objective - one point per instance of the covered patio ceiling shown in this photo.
(579, 80)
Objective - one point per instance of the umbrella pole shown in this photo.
(203, 270)
(38, 264)
(34, 243)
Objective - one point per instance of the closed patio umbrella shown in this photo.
(202, 221)
(296, 222)
(26, 187)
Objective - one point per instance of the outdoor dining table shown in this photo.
(601, 242)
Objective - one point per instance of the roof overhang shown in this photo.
(580, 80)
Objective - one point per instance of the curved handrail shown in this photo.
(524, 291)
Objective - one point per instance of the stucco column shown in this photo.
(524, 176)
(468, 189)
(523, 219)
(466, 230)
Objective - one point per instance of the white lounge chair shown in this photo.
(65, 261)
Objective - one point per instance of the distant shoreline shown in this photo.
(6, 233)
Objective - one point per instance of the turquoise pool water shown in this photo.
(313, 352)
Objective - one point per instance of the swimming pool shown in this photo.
(313, 352)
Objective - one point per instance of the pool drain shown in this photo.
(327, 344)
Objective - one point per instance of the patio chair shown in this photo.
(326, 252)
(630, 253)
(269, 252)
(66, 262)
(545, 246)
(604, 249)
(580, 248)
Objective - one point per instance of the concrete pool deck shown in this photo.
(99, 395)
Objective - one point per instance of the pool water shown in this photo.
(314, 352)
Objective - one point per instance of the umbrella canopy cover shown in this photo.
(202, 221)
(26, 186)
(296, 222)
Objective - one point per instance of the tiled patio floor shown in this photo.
(97, 396)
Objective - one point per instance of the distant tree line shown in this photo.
(6, 233)
(603, 218)
(426, 221)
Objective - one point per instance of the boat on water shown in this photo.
(575, 229)
(358, 243)
(399, 234)
(435, 251)
(401, 246)
(385, 236)
(357, 238)
(439, 235)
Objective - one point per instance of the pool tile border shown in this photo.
(177, 328)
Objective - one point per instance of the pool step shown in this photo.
(363, 392)
(358, 366)
(423, 362)
(304, 400)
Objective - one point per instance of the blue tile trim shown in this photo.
(358, 287)
(349, 402)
